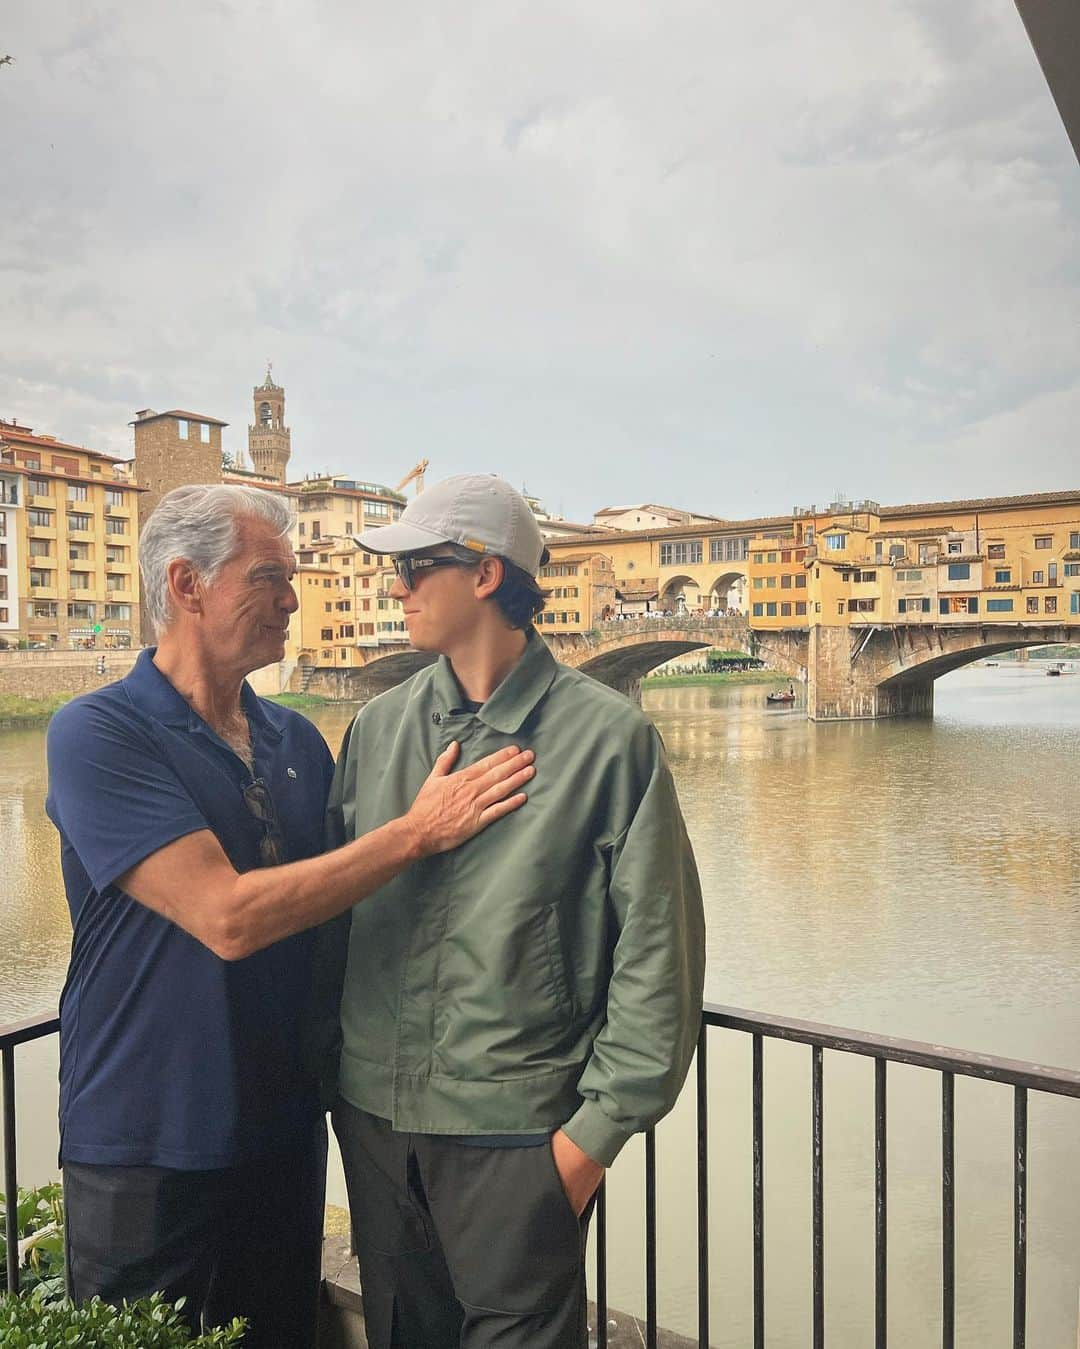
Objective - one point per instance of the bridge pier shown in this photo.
(844, 680)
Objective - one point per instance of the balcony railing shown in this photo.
(883, 1049)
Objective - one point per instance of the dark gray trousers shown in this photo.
(242, 1241)
(467, 1247)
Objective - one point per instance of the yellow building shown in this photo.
(69, 574)
(995, 560)
(579, 588)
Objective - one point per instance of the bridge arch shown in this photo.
(680, 593)
(718, 595)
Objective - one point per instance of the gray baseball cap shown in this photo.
(473, 510)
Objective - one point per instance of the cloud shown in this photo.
(607, 248)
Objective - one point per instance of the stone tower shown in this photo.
(269, 439)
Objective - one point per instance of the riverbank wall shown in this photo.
(47, 674)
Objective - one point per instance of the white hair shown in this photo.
(199, 524)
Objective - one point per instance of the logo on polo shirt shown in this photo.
(291, 772)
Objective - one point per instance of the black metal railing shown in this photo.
(36, 1028)
(883, 1049)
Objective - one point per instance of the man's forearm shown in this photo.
(268, 904)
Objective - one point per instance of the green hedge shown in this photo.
(32, 1323)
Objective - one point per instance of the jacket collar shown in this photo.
(152, 693)
(521, 690)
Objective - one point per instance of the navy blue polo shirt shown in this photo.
(170, 1056)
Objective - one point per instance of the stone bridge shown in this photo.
(850, 673)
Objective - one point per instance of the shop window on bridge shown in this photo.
(800, 607)
(999, 606)
(800, 581)
(770, 557)
(1002, 576)
(1072, 568)
(1038, 578)
(959, 604)
(327, 634)
(863, 576)
(785, 555)
(1050, 604)
(995, 551)
(679, 554)
(1033, 604)
(785, 610)
(914, 604)
(770, 610)
(758, 610)
(959, 571)
(1074, 602)
(770, 582)
(861, 606)
(785, 581)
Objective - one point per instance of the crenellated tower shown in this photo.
(269, 439)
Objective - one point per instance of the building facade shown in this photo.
(69, 537)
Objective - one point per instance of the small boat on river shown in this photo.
(781, 696)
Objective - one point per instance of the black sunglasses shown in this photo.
(260, 803)
(410, 569)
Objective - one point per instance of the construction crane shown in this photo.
(416, 473)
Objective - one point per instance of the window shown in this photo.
(78, 521)
(1044, 541)
(959, 604)
(328, 607)
(914, 604)
(1072, 568)
(770, 610)
(1002, 577)
(680, 554)
(836, 541)
(864, 576)
(79, 580)
(800, 581)
(39, 577)
(785, 555)
(927, 553)
(347, 630)
(1074, 602)
(118, 611)
(1074, 541)
(785, 581)
(995, 551)
(326, 634)
(303, 528)
(38, 548)
(758, 557)
(1050, 604)
(114, 525)
(1033, 604)
(800, 608)
(42, 609)
(114, 583)
(897, 550)
(785, 610)
(39, 519)
(78, 552)
(757, 610)
(955, 546)
(1038, 578)
(1051, 573)
(114, 497)
(40, 487)
(909, 575)
(113, 553)
(759, 583)
(770, 582)
(999, 606)
(959, 571)
(770, 557)
(76, 491)
(80, 609)
(861, 606)
(181, 428)
(204, 433)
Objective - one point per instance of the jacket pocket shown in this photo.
(556, 964)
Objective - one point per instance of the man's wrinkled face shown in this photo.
(246, 607)
(440, 605)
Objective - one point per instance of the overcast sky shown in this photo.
(732, 257)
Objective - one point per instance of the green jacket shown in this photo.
(549, 972)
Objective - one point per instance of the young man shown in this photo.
(514, 1013)
(191, 820)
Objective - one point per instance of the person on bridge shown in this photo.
(512, 1015)
(191, 817)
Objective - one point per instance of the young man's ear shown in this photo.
(489, 577)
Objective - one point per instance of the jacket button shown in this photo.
(436, 717)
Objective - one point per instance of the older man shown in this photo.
(191, 821)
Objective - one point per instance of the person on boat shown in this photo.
(511, 1018)
(191, 818)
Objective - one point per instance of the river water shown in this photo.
(919, 878)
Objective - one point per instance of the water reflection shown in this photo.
(919, 878)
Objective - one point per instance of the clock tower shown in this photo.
(269, 439)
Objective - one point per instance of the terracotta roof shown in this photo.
(9, 435)
(1068, 497)
(181, 414)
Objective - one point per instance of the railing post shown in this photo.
(11, 1184)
